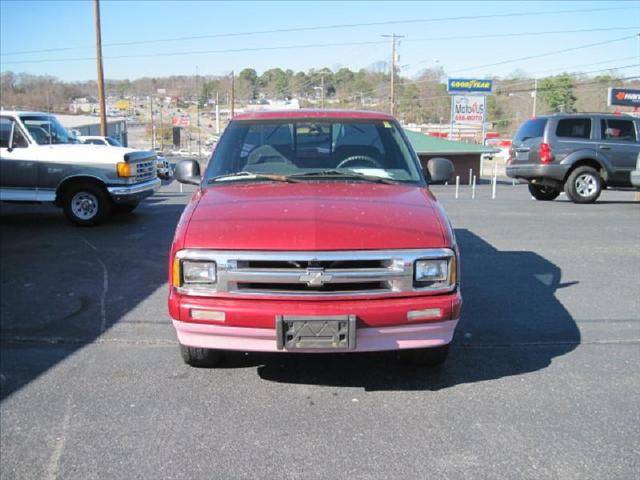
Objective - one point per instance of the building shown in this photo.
(465, 156)
(84, 105)
(86, 125)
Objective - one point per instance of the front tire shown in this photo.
(583, 185)
(86, 204)
(200, 357)
(425, 357)
(541, 193)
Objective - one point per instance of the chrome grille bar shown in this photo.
(394, 273)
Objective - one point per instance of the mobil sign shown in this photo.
(468, 109)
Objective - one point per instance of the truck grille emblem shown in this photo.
(315, 277)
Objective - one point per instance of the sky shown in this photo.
(58, 38)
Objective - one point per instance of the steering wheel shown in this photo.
(359, 159)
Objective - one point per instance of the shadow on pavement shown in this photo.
(64, 286)
(512, 324)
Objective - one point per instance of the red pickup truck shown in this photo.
(314, 231)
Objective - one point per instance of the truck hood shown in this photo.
(315, 216)
(84, 153)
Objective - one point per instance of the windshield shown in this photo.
(113, 142)
(47, 130)
(310, 149)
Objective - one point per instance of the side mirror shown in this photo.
(188, 171)
(440, 170)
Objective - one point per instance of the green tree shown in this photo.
(558, 93)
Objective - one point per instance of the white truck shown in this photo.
(41, 162)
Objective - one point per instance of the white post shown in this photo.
(457, 185)
(493, 193)
(180, 187)
(217, 118)
(473, 188)
(470, 174)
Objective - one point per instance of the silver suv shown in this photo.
(581, 153)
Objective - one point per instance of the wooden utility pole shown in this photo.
(233, 93)
(101, 102)
(153, 129)
(322, 91)
(392, 88)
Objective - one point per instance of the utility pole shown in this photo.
(392, 91)
(101, 102)
(535, 95)
(198, 114)
(153, 130)
(161, 128)
(233, 93)
(217, 113)
(322, 91)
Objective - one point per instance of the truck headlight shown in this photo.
(198, 272)
(125, 169)
(435, 272)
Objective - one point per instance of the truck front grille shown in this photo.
(310, 274)
(145, 170)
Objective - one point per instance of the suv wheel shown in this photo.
(543, 193)
(583, 185)
(86, 204)
(200, 357)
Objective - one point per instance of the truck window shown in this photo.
(533, 128)
(19, 141)
(574, 128)
(620, 130)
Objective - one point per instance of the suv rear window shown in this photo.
(533, 128)
(621, 130)
(574, 128)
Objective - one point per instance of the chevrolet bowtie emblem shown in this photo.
(315, 277)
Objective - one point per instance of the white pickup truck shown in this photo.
(41, 162)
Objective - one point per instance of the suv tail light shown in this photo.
(545, 153)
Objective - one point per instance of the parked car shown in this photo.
(314, 231)
(581, 153)
(98, 140)
(163, 167)
(635, 175)
(39, 162)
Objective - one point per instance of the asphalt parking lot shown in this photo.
(542, 381)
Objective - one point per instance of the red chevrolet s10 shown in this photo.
(314, 231)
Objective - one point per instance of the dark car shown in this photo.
(581, 154)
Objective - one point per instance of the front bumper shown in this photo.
(425, 335)
(123, 194)
(556, 172)
(250, 324)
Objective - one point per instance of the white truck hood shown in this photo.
(83, 153)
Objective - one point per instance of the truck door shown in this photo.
(18, 170)
(619, 143)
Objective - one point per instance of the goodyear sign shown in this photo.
(468, 85)
(624, 96)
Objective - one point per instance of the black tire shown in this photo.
(425, 357)
(200, 357)
(583, 185)
(126, 208)
(86, 204)
(541, 193)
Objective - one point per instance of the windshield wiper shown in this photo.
(244, 175)
(337, 173)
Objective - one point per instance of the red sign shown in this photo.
(181, 121)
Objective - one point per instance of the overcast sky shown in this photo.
(33, 31)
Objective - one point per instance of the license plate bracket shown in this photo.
(317, 332)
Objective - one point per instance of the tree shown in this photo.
(558, 93)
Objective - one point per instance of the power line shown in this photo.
(196, 52)
(326, 27)
(554, 52)
(519, 34)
